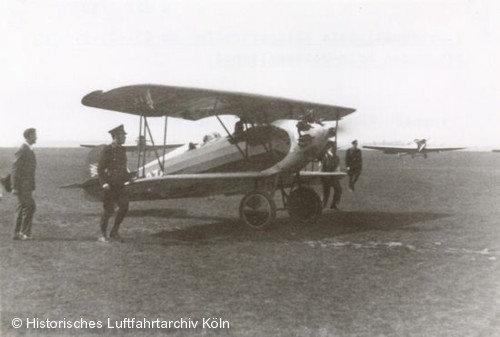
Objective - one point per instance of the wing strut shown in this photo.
(231, 137)
(164, 143)
(336, 132)
(139, 147)
(146, 125)
(227, 131)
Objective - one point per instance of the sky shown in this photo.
(412, 69)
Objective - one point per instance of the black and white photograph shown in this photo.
(250, 168)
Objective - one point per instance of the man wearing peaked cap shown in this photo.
(354, 164)
(113, 175)
(118, 130)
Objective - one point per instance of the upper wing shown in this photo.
(392, 149)
(190, 103)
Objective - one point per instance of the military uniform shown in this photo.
(113, 174)
(354, 164)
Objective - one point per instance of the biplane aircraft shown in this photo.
(419, 149)
(273, 141)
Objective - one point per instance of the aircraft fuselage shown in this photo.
(266, 148)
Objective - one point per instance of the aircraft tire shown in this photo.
(257, 210)
(304, 205)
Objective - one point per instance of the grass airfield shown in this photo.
(415, 252)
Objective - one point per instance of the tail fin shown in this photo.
(93, 160)
(90, 186)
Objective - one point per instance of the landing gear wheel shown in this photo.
(257, 210)
(304, 205)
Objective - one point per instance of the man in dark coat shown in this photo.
(113, 175)
(353, 163)
(330, 162)
(23, 185)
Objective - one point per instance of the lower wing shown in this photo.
(314, 176)
(193, 185)
(206, 184)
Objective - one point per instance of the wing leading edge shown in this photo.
(193, 104)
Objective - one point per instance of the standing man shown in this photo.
(23, 185)
(354, 164)
(113, 175)
(330, 162)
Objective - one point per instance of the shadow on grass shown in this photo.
(284, 229)
(172, 214)
(158, 213)
(86, 238)
(165, 213)
(330, 224)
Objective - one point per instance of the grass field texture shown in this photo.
(414, 252)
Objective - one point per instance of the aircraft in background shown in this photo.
(495, 150)
(273, 141)
(419, 149)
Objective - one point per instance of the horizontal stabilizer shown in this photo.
(88, 183)
(135, 147)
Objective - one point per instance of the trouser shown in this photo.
(114, 196)
(337, 191)
(25, 210)
(353, 177)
